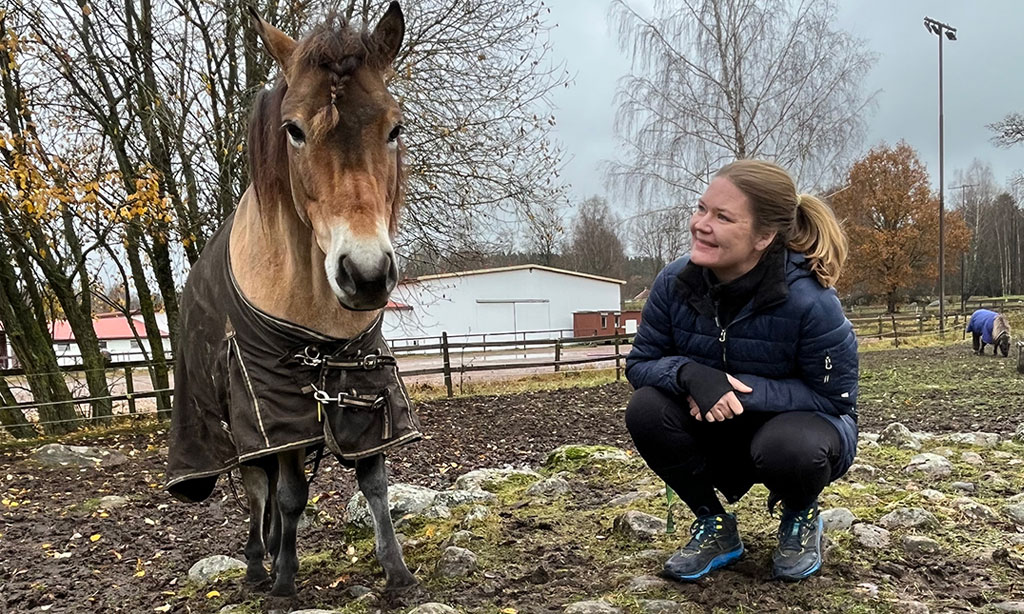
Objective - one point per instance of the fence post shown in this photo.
(129, 384)
(558, 353)
(920, 324)
(618, 359)
(879, 326)
(447, 363)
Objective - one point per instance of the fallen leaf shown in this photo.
(149, 521)
(94, 538)
(212, 594)
(163, 608)
(509, 611)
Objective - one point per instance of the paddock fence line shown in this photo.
(477, 353)
(898, 326)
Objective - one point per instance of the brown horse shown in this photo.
(310, 262)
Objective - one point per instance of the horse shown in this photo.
(280, 351)
(986, 327)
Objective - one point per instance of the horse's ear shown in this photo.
(387, 35)
(279, 44)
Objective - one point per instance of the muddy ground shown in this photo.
(59, 553)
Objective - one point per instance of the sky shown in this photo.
(982, 81)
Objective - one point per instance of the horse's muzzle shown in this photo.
(366, 286)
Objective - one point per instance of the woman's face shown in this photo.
(723, 233)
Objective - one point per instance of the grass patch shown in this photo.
(576, 378)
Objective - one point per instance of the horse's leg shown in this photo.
(272, 531)
(254, 479)
(373, 482)
(292, 492)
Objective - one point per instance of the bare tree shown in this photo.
(659, 236)
(716, 80)
(596, 246)
(1009, 131)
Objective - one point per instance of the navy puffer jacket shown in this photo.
(792, 344)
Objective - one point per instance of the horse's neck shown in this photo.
(280, 269)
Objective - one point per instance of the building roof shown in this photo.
(518, 267)
(108, 327)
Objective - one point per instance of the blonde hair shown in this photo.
(804, 223)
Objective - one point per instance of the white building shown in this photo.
(116, 335)
(510, 299)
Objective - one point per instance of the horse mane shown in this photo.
(333, 46)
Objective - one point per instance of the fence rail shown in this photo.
(446, 349)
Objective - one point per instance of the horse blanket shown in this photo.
(989, 324)
(249, 385)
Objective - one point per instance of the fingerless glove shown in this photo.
(705, 384)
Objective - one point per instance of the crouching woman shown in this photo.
(745, 368)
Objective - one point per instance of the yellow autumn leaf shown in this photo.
(140, 573)
(212, 594)
(163, 608)
(509, 611)
(94, 538)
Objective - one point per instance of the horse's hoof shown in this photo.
(257, 576)
(283, 590)
(401, 585)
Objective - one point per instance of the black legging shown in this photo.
(792, 453)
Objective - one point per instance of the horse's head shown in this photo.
(1003, 344)
(338, 126)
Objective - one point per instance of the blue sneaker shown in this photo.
(798, 554)
(715, 543)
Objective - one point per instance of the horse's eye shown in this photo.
(395, 133)
(295, 134)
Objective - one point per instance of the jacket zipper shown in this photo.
(828, 366)
(741, 316)
(721, 341)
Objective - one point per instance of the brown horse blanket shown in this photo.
(248, 384)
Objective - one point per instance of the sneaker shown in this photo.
(715, 543)
(798, 554)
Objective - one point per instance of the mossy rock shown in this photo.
(573, 456)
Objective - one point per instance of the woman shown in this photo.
(745, 368)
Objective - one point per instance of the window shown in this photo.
(135, 345)
(103, 345)
(617, 320)
(61, 348)
(604, 320)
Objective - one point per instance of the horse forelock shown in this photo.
(268, 153)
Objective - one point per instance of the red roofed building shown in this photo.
(115, 334)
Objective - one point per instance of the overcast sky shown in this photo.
(982, 77)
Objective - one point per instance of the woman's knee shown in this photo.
(645, 410)
(786, 445)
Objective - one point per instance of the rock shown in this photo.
(947, 452)
(974, 510)
(403, 500)
(862, 471)
(1008, 606)
(994, 480)
(907, 518)
(919, 544)
(212, 566)
(962, 486)
(899, 436)
(60, 455)
(837, 519)
(358, 590)
(592, 607)
(631, 497)
(987, 440)
(642, 584)
(911, 607)
(314, 611)
(234, 608)
(549, 487)
(972, 458)
(456, 562)
(454, 498)
(1018, 435)
(931, 465)
(460, 538)
(932, 495)
(490, 479)
(574, 452)
(112, 502)
(659, 606)
(308, 516)
(476, 515)
(433, 608)
(1018, 498)
(1015, 512)
(639, 525)
(870, 536)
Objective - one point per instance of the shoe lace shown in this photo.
(703, 530)
(795, 527)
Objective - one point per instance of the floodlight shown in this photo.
(951, 35)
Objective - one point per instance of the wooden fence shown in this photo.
(444, 349)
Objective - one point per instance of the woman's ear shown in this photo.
(764, 241)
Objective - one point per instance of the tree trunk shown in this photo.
(11, 417)
(158, 371)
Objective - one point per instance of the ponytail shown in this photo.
(818, 235)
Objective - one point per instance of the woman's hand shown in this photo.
(728, 406)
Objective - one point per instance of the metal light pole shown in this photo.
(963, 256)
(941, 29)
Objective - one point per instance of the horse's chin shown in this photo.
(352, 307)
